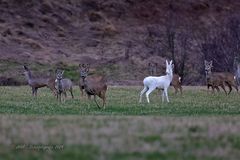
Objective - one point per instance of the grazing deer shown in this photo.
(176, 83)
(93, 85)
(215, 79)
(63, 85)
(40, 82)
(162, 82)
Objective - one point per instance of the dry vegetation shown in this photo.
(121, 137)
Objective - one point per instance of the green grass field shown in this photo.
(195, 125)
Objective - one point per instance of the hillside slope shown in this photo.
(118, 38)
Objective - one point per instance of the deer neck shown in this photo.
(59, 85)
(28, 75)
(170, 76)
(84, 80)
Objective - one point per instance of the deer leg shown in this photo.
(176, 90)
(71, 91)
(180, 89)
(213, 91)
(218, 90)
(53, 89)
(166, 94)
(36, 89)
(235, 86)
(33, 91)
(142, 92)
(81, 89)
(89, 96)
(148, 92)
(103, 97)
(65, 96)
(96, 102)
(54, 92)
(60, 96)
(229, 86)
(57, 96)
(223, 87)
(163, 96)
(104, 101)
(208, 86)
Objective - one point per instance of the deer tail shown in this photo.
(235, 77)
(180, 79)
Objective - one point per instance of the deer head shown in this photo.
(27, 72)
(59, 74)
(169, 67)
(208, 66)
(84, 69)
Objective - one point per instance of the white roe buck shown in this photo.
(162, 82)
(176, 81)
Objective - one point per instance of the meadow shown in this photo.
(195, 125)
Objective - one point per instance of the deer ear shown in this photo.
(25, 67)
(170, 62)
(62, 71)
(205, 62)
(166, 62)
(88, 66)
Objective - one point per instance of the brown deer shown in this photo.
(93, 85)
(40, 82)
(62, 85)
(152, 68)
(215, 79)
(176, 83)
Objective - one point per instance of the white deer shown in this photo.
(162, 82)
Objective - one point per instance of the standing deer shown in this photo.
(215, 79)
(93, 85)
(63, 85)
(152, 68)
(40, 82)
(83, 71)
(176, 81)
(162, 82)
